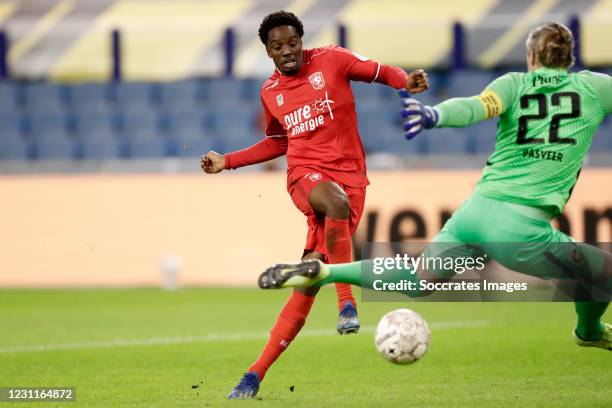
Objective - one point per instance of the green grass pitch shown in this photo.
(149, 348)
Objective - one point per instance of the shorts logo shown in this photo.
(279, 99)
(314, 176)
(316, 80)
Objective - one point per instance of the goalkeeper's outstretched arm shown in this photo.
(492, 102)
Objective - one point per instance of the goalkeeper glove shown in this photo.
(417, 116)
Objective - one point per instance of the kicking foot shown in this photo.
(348, 321)
(299, 275)
(246, 388)
(605, 342)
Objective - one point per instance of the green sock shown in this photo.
(590, 327)
(362, 274)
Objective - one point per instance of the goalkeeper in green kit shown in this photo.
(547, 119)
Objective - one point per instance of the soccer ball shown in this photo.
(402, 336)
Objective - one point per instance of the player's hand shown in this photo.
(417, 116)
(212, 162)
(417, 81)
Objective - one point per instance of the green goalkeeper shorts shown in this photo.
(518, 237)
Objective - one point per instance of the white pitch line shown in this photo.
(213, 337)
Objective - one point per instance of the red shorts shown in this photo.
(300, 192)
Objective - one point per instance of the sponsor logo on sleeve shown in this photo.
(279, 99)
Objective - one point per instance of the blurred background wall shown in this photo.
(106, 107)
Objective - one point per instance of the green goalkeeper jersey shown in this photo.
(547, 119)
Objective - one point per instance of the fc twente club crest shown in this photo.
(316, 80)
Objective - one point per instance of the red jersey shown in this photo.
(315, 111)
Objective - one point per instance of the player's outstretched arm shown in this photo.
(459, 112)
(267, 149)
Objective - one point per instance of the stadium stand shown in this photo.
(178, 100)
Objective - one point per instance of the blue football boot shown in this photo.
(348, 322)
(246, 388)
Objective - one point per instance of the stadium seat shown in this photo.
(11, 123)
(147, 147)
(602, 141)
(363, 91)
(232, 120)
(468, 83)
(126, 95)
(184, 124)
(55, 146)
(101, 146)
(89, 98)
(224, 91)
(139, 124)
(445, 141)
(13, 146)
(39, 124)
(180, 96)
(192, 145)
(8, 98)
(233, 141)
(251, 90)
(44, 97)
(481, 137)
(87, 123)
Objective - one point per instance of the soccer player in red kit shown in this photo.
(310, 117)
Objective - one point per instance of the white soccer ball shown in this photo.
(402, 336)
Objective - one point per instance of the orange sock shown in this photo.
(287, 326)
(338, 241)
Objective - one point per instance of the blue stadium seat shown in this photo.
(197, 145)
(182, 95)
(13, 146)
(482, 137)
(231, 119)
(11, 123)
(145, 123)
(9, 103)
(55, 146)
(129, 94)
(39, 124)
(468, 83)
(445, 141)
(101, 147)
(44, 97)
(233, 141)
(602, 141)
(224, 91)
(251, 90)
(86, 123)
(90, 98)
(185, 124)
(145, 147)
(366, 91)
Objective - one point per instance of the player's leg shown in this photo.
(317, 274)
(329, 200)
(285, 329)
(535, 248)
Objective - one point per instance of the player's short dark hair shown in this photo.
(277, 19)
(553, 44)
